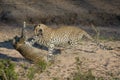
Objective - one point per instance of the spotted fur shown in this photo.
(65, 35)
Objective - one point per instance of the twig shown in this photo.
(97, 31)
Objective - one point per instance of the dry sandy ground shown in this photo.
(103, 63)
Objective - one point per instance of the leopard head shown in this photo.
(39, 29)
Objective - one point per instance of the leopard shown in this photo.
(57, 37)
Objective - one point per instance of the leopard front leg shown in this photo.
(50, 56)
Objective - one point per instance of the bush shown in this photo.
(42, 65)
(7, 70)
(31, 73)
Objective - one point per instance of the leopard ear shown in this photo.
(39, 25)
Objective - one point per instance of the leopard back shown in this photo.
(65, 35)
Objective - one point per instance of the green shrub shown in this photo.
(42, 65)
(7, 70)
(37, 68)
(31, 73)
